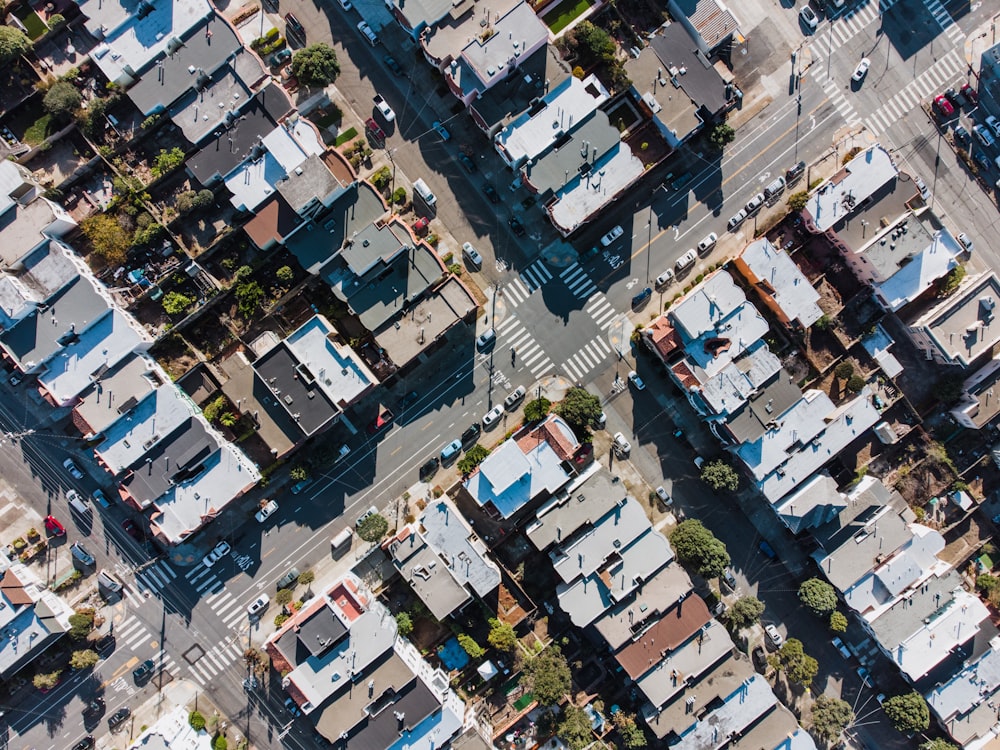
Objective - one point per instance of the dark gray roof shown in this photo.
(535, 76)
(749, 422)
(175, 459)
(298, 395)
(188, 66)
(700, 81)
(414, 704)
(70, 312)
(568, 158)
(320, 632)
(231, 143)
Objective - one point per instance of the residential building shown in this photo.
(965, 704)
(847, 191)
(877, 345)
(778, 282)
(359, 684)
(623, 621)
(27, 220)
(132, 36)
(960, 329)
(172, 731)
(581, 504)
(525, 470)
(32, 617)
(678, 84)
(978, 404)
(201, 110)
(815, 503)
(115, 392)
(989, 79)
(441, 535)
(711, 23)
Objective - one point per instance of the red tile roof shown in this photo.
(664, 336)
(681, 622)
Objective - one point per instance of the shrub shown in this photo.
(81, 623)
(220, 743)
(468, 643)
(283, 597)
(537, 409)
(107, 237)
(213, 410)
(62, 100)
(249, 297)
(473, 457)
(47, 680)
(285, 274)
(855, 383)
(404, 623)
(84, 659)
(13, 44)
(167, 161)
(844, 370)
(838, 622)
(381, 178)
(399, 196)
(502, 636)
(797, 201)
(951, 281)
(175, 303)
(280, 619)
(196, 720)
(56, 20)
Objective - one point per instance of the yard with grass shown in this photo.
(565, 13)
(33, 23)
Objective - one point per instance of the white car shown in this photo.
(72, 468)
(259, 605)
(372, 511)
(220, 551)
(808, 16)
(384, 109)
(862, 70)
(492, 416)
(753, 205)
(611, 236)
(773, 635)
(994, 123)
(965, 239)
(738, 218)
(472, 255)
(686, 260)
(621, 444)
(266, 512)
(635, 380)
(707, 243)
(665, 278)
(664, 497)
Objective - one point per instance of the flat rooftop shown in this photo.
(669, 677)
(558, 519)
(980, 403)
(465, 555)
(172, 460)
(582, 198)
(21, 229)
(815, 502)
(763, 409)
(421, 567)
(917, 276)
(626, 620)
(586, 553)
(678, 624)
(775, 276)
(966, 704)
(505, 101)
(115, 392)
(199, 112)
(839, 196)
(964, 326)
(574, 153)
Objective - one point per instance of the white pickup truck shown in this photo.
(383, 106)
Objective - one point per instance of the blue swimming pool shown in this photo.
(452, 655)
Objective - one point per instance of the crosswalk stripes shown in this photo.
(587, 358)
(577, 281)
(838, 32)
(601, 311)
(529, 353)
(216, 660)
(195, 573)
(944, 19)
(515, 292)
(944, 73)
(536, 275)
(132, 632)
(832, 90)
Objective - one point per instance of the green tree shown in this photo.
(404, 623)
(62, 100)
(818, 595)
(745, 612)
(473, 649)
(908, 712)
(831, 716)
(283, 597)
(196, 720)
(93, 122)
(547, 676)
(190, 200)
(107, 237)
(84, 659)
(81, 623)
(315, 65)
(373, 528)
(630, 731)
(399, 196)
(175, 303)
(798, 665)
(13, 44)
(855, 384)
(580, 408)
(722, 135)
(306, 577)
(228, 419)
(591, 44)
(220, 743)
(285, 274)
(951, 281)
(574, 727)
(695, 545)
(214, 409)
(167, 161)
(838, 622)
(502, 636)
(719, 475)
(298, 474)
(47, 680)
(938, 744)
(472, 458)
(248, 298)
(844, 370)
(537, 409)
(797, 201)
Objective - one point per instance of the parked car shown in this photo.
(943, 106)
(287, 580)
(429, 468)
(219, 551)
(279, 58)
(707, 243)
(665, 498)
(144, 671)
(965, 239)
(266, 511)
(472, 256)
(808, 17)
(686, 261)
(451, 451)
(738, 218)
(641, 297)
(383, 108)
(514, 398)
(292, 707)
(759, 657)
(259, 605)
(767, 551)
(15, 379)
(420, 226)
(118, 718)
(516, 226)
(101, 499)
(636, 381)
(72, 468)
(730, 579)
(970, 94)
(793, 173)
(772, 633)
(492, 417)
(665, 278)
(408, 400)
(441, 130)
(983, 135)
(368, 33)
(611, 236)
(862, 70)
(994, 124)
(753, 205)
(839, 645)
(53, 527)
(962, 137)
(621, 444)
(78, 504)
(486, 339)
(79, 553)
(471, 435)
(392, 65)
(109, 581)
(467, 163)
(375, 133)
(865, 675)
(491, 193)
(293, 26)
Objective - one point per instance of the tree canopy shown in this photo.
(373, 528)
(502, 636)
(62, 100)
(84, 659)
(107, 237)
(720, 476)
(13, 44)
(574, 727)
(908, 712)
(537, 409)
(404, 623)
(580, 408)
(591, 44)
(938, 744)
(818, 595)
(547, 676)
(315, 65)
(721, 135)
(798, 665)
(745, 612)
(831, 716)
(695, 545)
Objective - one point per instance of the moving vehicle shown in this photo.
(611, 236)
(862, 70)
(383, 107)
(217, 553)
(53, 527)
(514, 398)
(472, 255)
(808, 17)
(72, 468)
(636, 381)
(266, 511)
(486, 339)
(621, 445)
(492, 417)
(259, 605)
(289, 578)
(441, 130)
(79, 553)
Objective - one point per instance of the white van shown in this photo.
(774, 188)
(344, 537)
(421, 189)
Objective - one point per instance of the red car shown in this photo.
(53, 526)
(376, 133)
(420, 226)
(970, 93)
(383, 420)
(943, 106)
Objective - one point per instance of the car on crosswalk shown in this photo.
(144, 671)
(486, 340)
(217, 553)
(862, 70)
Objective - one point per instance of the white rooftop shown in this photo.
(751, 700)
(966, 704)
(339, 371)
(916, 277)
(535, 131)
(737, 381)
(464, 554)
(688, 662)
(965, 325)
(509, 478)
(587, 552)
(780, 278)
(172, 731)
(583, 196)
(860, 178)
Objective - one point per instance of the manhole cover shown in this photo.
(193, 654)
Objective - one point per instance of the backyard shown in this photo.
(563, 14)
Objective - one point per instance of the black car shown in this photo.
(516, 226)
(118, 717)
(95, 707)
(472, 434)
(408, 400)
(795, 172)
(952, 96)
(962, 137)
(491, 193)
(983, 161)
(759, 657)
(429, 468)
(144, 671)
(642, 296)
(465, 161)
(293, 26)
(391, 64)
(85, 744)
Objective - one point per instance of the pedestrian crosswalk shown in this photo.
(587, 358)
(527, 350)
(515, 292)
(946, 72)
(601, 311)
(577, 281)
(832, 90)
(837, 32)
(199, 583)
(535, 275)
(944, 19)
(215, 661)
